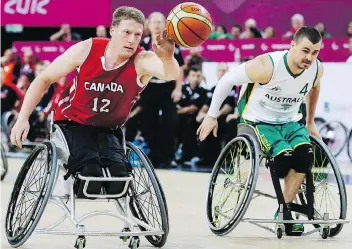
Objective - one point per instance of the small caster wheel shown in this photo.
(80, 242)
(125, 238)
(279, 232)
(134, 243)
(325, 233)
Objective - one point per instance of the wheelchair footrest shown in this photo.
(101, 187)
(294, 233)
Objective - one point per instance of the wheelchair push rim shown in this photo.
(145, 189)
(40, 177)
(241, 147)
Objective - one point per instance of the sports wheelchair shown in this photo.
(141, 205)
(233, 186)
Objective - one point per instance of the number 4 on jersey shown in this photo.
(304, 89)
(105, 102)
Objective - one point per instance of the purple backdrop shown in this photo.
(334, 13)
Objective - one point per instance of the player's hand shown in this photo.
(164, 46)
(176, 95)
(19, 132)
(313, 130)
(208, 125)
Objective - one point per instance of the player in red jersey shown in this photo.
(110, 74)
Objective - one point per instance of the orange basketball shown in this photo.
(189, 24)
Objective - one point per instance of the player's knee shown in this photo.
(282, 163)
(303, 158)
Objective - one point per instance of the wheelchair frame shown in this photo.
(252, 137)
(133, 226)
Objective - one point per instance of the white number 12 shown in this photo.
(104, 108)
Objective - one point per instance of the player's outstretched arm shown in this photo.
(258, 70)
(60, 67)
(311, 103)
(160, 63)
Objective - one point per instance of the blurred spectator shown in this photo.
(349, 29)
(10, 94)
(40, 66)
(269, 32)
(297, 22)
(65, 34)
(193, 59)
(349, 60)
(220, 33)
(248, 24)
(158, 117)
(101, 31)
(254, 33)
(28, 62)
(146, 30)
(193, 97)
(221, 69)
(211, 147)
(134, 122)
(322, 30)
(25, 80)
(11, 65)
(236, 31)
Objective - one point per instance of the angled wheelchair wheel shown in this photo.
(7, 121)
(232, 184)
(319, 122)
(335, 136)
(349, 146)
(147, 197)
(4, 165)
(30, 194)
(329, 187)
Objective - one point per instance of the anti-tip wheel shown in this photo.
(279, 232)
(80, 242)
(134, 243)
(325, 233)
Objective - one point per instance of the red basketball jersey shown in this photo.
(98, 96)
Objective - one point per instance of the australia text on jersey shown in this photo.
(283, 99)
(101, 87)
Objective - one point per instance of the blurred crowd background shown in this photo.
(165, 119)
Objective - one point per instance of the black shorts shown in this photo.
(92, 150)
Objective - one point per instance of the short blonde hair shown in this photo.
(127, 13)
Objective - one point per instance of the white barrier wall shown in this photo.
(335, 101)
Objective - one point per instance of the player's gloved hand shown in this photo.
(19, 132)
(164, 46)
(208, 125)
(313, 130)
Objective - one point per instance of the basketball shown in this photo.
(189, 24)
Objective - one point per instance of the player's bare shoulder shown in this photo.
(320, 69)
(260, 69)
(80, 51)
